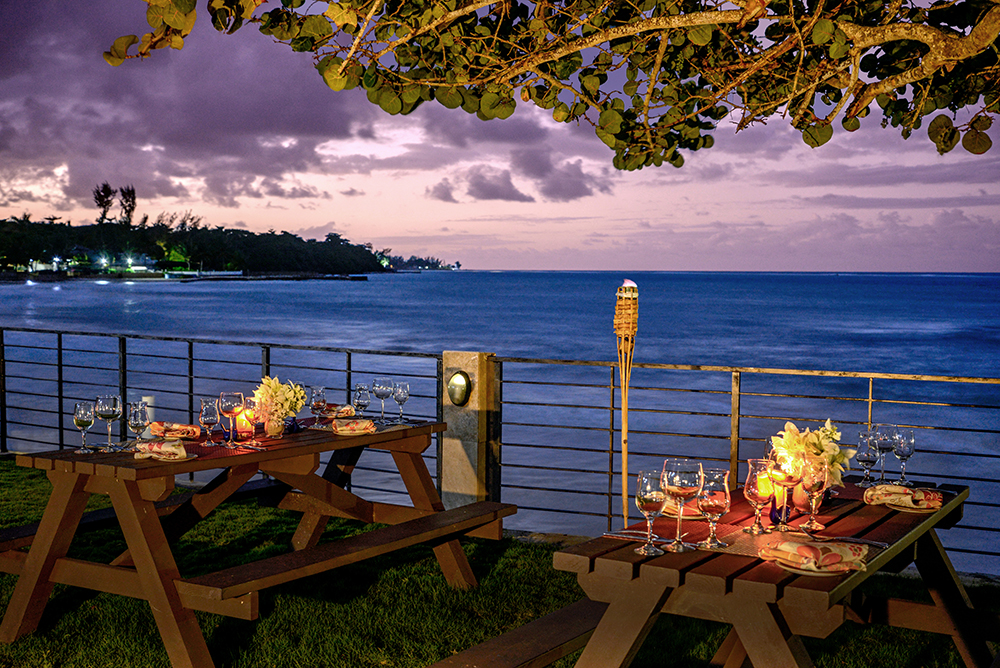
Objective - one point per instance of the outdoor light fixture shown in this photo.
(459, 388)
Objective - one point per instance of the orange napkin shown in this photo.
(338, 411)
(166, 450)
(348, 427)
(830, 557)
(897, 495)
(174, 430)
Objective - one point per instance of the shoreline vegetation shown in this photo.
(181, 248)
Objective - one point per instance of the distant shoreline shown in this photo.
(169, 276)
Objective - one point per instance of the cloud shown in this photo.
(352, 192)
(485, 183)
(559, 183)
(442, 191)
(318, 232)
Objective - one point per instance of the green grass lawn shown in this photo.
(394, 610)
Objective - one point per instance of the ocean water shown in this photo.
(932, 324)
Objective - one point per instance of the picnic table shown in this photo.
(770, 608)
(151, 519)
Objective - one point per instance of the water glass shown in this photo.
(317, 402)
(208, 418)
(867, 456)
(785, 470)
(230, 405)
(714, 502)
(250, 415)
(382, 389)
(361, 400)
(903, 448)
(649, 499)
(885, 436)
(400, 393)
(681, 480)
(758, 491)
(108, 407)
(83, 418)
(815, 475)
(138, 420)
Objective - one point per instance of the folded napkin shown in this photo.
(690, 508)
(832, 557)
(338, 411)
(348, 427)
(897, 495)
(162, 449)
(174, 430)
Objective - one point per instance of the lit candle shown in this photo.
(764, 486)
(244, 425)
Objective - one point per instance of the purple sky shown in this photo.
(244, 133)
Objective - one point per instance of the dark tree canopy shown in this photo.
(653, 77)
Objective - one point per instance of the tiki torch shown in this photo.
(626, 325)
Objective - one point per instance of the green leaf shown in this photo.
(823, 31)
(976, 142)
(451, 98)
(610, 121)
(315, 26)
(389, 101)
(839, 49)
(341, 15)
(606, 137)
(119, 49)
(817, 135)
(185, 6)
(561, 113)
(982, 123)
(851, 124)
(292, 4)
(700, 35)
(938, 127)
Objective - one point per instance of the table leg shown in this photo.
(948, 593)
(158, 573)
(420, 486)
(55, 533)
(765, 636)
(624, 626)
(731, 654)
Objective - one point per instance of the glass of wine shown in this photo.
(903, 447)
(681, 480)
(208, 418)
(382, 389)
(230, 405)
(815, 476)
(362, 399)
(250, 415)
(785, 470)
(138, 420)
(649, 499)
(758, 491)
(83, 418)
(400, 393)
(108, 407)
(867, 456)
(317, 403)
(713, 502)
(885, 435)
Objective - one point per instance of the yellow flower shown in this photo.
(823, 442)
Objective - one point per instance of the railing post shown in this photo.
(871, 399)
(122, 383)
(465, 444)
(349, 376)
(265, 361)
(3, 392)
(734, 431)
(494, 433)
(190, 361)
(59, 389)
(611, 449)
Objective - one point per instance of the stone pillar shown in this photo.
(466, 450)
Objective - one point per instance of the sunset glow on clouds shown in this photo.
(244, 133)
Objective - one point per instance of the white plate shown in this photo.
(915, 511)
(802, 571)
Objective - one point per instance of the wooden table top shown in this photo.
(124, 465)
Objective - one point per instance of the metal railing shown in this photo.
(560, 433)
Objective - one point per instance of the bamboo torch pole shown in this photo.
(626, 324)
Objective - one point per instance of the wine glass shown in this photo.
(867, 456)
(713, 502)
(758, 491)
(108, 407)
(230, 405)
(903, 448)
(317, 403)
(208, 418)
(83, 418)
(250, 415)
(400, 393)
(138, 420)
(649, 499)
(382, 389)
(362, 399)
(681, 481)
(785, 470)
(885, 434)
(815, 476)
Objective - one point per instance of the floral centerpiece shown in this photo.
(277, 401)
(824, 442)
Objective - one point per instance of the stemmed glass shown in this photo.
(758, 491)
(713, 502)
(867, 456)
(138, 420)
(785, 470)
(382, 389)
(83, 418)
(208, 418)
(250, 414)
(885, 435)
(649, 499)
(317, 403)
(230, 405)
(108, 408)
(681, 481)
(400, 393)
(815, 475)
(903, 448)
(362, 399)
